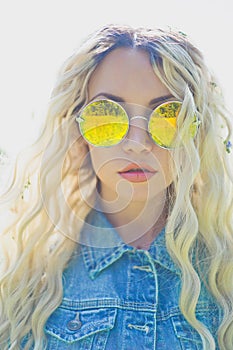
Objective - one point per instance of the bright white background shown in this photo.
(37, 36)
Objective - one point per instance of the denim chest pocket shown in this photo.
(81, 330)
(188, 337)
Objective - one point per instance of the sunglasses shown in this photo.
(105, 123)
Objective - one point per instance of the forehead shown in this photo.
(127, 72)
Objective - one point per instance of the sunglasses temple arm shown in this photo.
(79, 119)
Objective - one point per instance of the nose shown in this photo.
(137, 139)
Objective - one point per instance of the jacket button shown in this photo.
(74, 325)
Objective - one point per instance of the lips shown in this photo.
(137, 173)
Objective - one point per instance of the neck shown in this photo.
(138, 223)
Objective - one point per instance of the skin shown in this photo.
(137, 210)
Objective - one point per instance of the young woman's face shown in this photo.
(136, 166)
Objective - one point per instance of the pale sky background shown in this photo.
(37, 36)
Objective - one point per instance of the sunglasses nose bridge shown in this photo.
(138, 117)
(138, 121)
(138, 131)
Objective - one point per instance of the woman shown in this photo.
(120, 232)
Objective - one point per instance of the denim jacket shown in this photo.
(117, 297)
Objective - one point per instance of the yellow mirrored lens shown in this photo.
(194, 126)
(162, 124)
(103, 123)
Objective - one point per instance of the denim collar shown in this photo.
(101, 246)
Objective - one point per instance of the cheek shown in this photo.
(165, 162)
(94, 158)
(100, 160)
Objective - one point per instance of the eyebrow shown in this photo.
(120, 99)
(160, 99)
(110, 96)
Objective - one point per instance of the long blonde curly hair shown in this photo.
(53, 188)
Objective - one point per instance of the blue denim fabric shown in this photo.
(117, 297)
